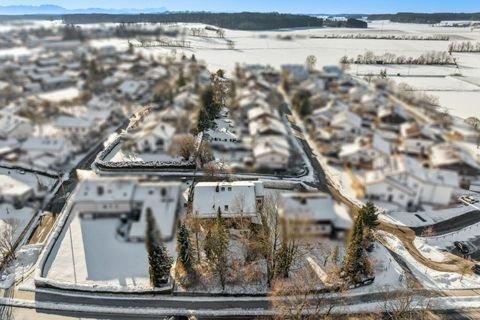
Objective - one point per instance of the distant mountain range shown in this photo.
(57, 10)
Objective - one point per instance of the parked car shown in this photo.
(462, 247)
(476, 269)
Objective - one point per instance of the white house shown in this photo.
(407, 183)
(271, 152)
(157, 138)
(266, 126)
(132, 200)
(14, 127)
(313, 214)
(74, 126)
(47, 152)
(14, 191)
(373, 152)
(133, 89)
(238, 199)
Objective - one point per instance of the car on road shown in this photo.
(462, 247)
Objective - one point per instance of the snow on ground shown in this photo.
(29, 178)
(431, 252)
(15, 271)
(443, 241)
(428, 277)
(122, 156)
(56, 96)
(411, 219)
(88, 252)
(14, 218)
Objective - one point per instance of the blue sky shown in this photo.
(298, 6)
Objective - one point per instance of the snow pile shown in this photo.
(21, 266)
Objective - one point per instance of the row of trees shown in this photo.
(464, 46)
(428, 58)
(439, 37)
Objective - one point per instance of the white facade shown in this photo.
(234, 199)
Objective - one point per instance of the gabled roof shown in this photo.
(312, 207)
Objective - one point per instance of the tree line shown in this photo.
(427, 58)
(382, 36)
(426, 18)
(464, 46)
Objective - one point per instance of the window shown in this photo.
(100, 190)
(223, 188)
(229, 188)
(226, 207)
(389, 189)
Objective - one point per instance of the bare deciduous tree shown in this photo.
(183, 146)
(7, 241)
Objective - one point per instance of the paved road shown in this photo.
(453, 224)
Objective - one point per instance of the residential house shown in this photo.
(271, 152)
(313, 215)
(131, 200)
(14, 191)
(154, 138)
(14, 127)
(408, 183)
(235, 200)
(366, 152)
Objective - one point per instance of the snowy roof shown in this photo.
(10, 186)
(443, 154)
(313, 207)
(266, 126)
(261, 111)
(133, 86)
(347, 116)
(380, 144)
(233, 198)
(271, 144)
(44, 144)
(162, 200)
(73, 122)
(106, 189)
(9, 122)
(101, 102)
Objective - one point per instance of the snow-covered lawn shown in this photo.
(411, 219)
(89, 252)
(14, 218)
(428, 277)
